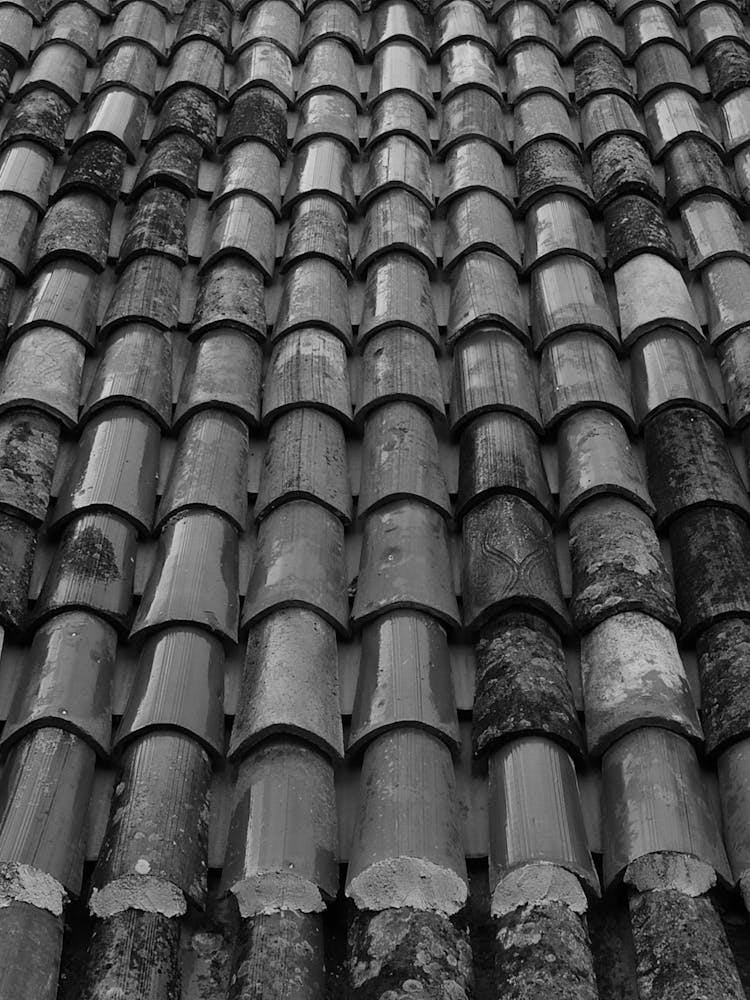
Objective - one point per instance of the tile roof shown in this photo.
(374, 517)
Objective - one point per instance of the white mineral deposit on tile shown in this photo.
(24, 884)
(670, 870)
(412, 882)
(274, 891)
(538, 885)
(138, 892)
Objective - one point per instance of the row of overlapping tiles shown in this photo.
(297, 599)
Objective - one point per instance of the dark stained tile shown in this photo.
(305, 459)
(485, 289)
(330, 115)
(92, 570)
(472, 113)
(98, 166)
(264, 64)
(405, 564)
(397, 292)
(651, 295)
(8, 68)
(289, 684)
(290, 937)
(76, 226)
(194, 577)
(135, 369)
(133, 944)
(617, 564)
(308, 368)
(599, 70)
(209, 468)
(25, 926)
(549, 167)
(18, 221)
(595, 458)
(321, 167)
(399, 67)
(154, 853)
(336, 19)
(400, 113)
(396, 221)
(242, 226)
(689, 465)
(492, 371)
(500, 454)
(400, 459)
(522, 685)
(477, 221)
(734, 358)
(728, 68)
(407, 770)
(230, 294)
(620, 165)
(207, 19)
(633, 677)
(192, 112)
(17, 548)
(399, 364)
(509, 562)
(28, 451)
(26, 171)
(634, 225)
(318, 229)
(654, 800)
(42, 371)
(387, 696)
(67, 683)
(722, 662)
(158, 225)
(710, 552)
(171, 162)
(667, 369)
(118, 115)
(147, 291)
(115, 468)
(179, 685)
(314, 293)
(567, 294)
(39, 116)
(394, 21)
(44, 835)
(287, 786)
(299, 563)
(223, 372)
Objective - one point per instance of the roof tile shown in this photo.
(64, 294)
(158, 225)
(459, 20)
(663, 66)
(650, 23)
(599, 70)
(421, 863)
(46, 835)
(172, 162)
(500, 453)
(147, 292)
(478, 220)
(534, 69)
(242, 225)
(548, 167)
(634, 225)
(399, 364)
(138, 21)
(263, 64)
(492, 371)
(620, 165)
(485, 289)
(542, 116)
(305, 459)
(712, 23)
(17, 548)
(113, 942)
(289, 684)
(249, 168)
(328, 114)
(207, 19)
(67, 683)
(178, 686)
(728, 68)
(223, 372)
(130, 65)
(134, 369)
(567, 295)
(335, 19)
(397, 293)
(509, 562)
(284, 787)
(77, 226)
(196, 63)
(400, 67)
(633, 677)
(299, 562)
(308, 367)
(28, 450)
(519, 656)
(321, 167)
(115, 114)
(42, 371)
(586, 23)
(673, 115)
(713, 230)
(115, 468)
(318, 229)
(734, 358)
(24, 925)
(92, 569)
(472, 114)
(74, 23)
(329, 66)
(475, 164)
(194, 578)
(606, 115)
(596, 458)
(397, 162)
(26, 170)
(405, 564)
(18, 220)
(651, 294)
(190, 111)
(145, 860)
(726, 291)
(314, 293)
(396, 220)
(710, 553)
(39, 116)
(230, 294)
(723, 665)
(396, 21)
(667, 369)
(98, 166)
(468, 64)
